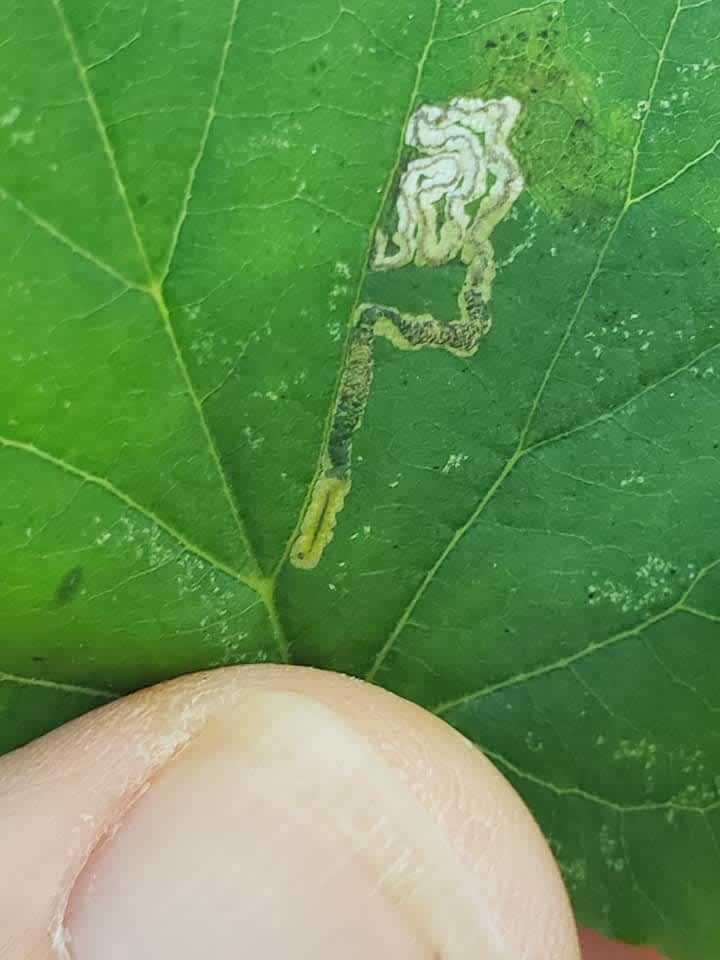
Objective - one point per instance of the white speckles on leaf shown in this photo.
(335, 329)
(255, 440)
(9, 118)
(641, 750)
(573, 873)
(655, 575)
(533, 742)
(343, 270)
(530, 230)
(24, 137)
(338, 293)
(702, 786)
(703, 373)
(653, 584)
(272, 394)
(634, 479)
(454, 462)
(610, 848)
(203, 348)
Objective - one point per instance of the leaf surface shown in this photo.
(530, 546)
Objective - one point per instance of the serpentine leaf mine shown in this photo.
(464, 161)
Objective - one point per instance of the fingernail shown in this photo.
(277, 832)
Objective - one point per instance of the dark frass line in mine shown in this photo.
(465, 163)
(407, 332)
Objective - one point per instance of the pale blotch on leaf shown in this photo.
(449, 199)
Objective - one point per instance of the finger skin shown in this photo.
(459, 850)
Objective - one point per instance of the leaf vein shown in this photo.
(579, 793)
(520, 449)
(613, 411)
(82, 73)
(58, 235)
(205, 136)
(505, 16)
(28, 448)
(678, 606)
(711, 151)
(56, 685)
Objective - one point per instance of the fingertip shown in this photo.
(182, 818)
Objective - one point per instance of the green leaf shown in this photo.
(190, 196)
